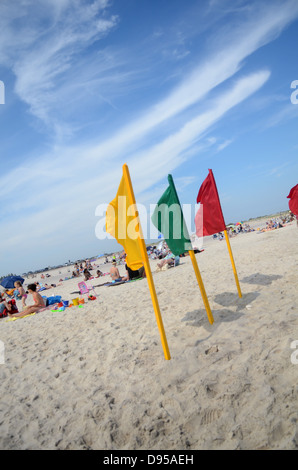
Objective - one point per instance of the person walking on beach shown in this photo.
(38, 303)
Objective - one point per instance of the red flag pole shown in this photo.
(227, 238)
(233, 263)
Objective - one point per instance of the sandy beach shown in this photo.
(95, 377)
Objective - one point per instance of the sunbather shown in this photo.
(114, 272)
(4, 305)
(87, 275)
(38, 305)
(169, 261)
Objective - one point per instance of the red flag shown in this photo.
(293, 202)
(209, 218)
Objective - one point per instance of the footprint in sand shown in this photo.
(210, 415)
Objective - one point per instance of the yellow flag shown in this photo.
(122, 222)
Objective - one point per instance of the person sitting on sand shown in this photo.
(114, 273)
(46, 286)
(99, 273)
(169, 261)
(134, 274)
(39, 303)
(4, 305)
(40, 287)
(21, 292)
(88, 265)
(87, 275)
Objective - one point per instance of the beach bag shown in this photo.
(55, 299)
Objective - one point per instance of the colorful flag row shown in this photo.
(168, 218)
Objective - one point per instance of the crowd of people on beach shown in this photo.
(159, 252)
(241, 227)
(233, 230)
(277, 223)
(82, 270)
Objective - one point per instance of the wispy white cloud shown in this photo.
(225, 62)
(224, 144)
(48, 53)
(42, 43)
(278, 170)
(47, 192)
(72, 180)
(266, 170)
(170, 152)
(284, 114)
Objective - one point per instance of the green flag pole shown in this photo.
(195, 264)
(178, 245)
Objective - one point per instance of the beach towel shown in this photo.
(117, 283)
(19, 318)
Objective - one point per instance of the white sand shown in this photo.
(95, 377)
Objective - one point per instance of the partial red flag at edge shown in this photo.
(293, 202)
(209, 218)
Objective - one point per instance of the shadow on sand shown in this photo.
(229, 299)
(198, 318)
(261, 279)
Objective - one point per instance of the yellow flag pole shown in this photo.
(201, 285)
(233, 263)
(148, 269)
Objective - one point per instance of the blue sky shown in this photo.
(166, 86)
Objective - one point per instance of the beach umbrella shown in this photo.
(8, 282)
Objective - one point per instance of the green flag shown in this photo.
(168, 219)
